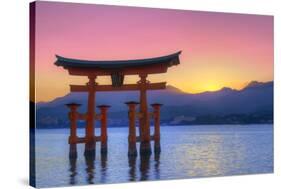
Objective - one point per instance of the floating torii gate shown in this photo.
(117, 69)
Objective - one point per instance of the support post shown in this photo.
(73, 171)
(90, 146)
(132, 166)
(72, 140)
(156, 117)
(132, 149)
(145, 148)
(103, 113)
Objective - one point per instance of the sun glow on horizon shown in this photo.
(210, 86)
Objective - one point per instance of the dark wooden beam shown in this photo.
(126, 87)
(83, 139)
(153, 69)
(138, 139)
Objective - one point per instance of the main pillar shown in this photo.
(103, 113)
(132, 150)
(145, 148)
(72, 140)
(156, 116)
(90, 145)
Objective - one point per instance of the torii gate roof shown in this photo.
(167, 61)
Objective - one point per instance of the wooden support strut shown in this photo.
(103, 119)
(156, 116)
(72, 140)
(132, 150)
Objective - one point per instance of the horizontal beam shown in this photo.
(82, 116)
(138, 138)
(83, 139)
(152, 69)
(126, 87)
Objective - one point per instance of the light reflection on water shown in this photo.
(187, 152)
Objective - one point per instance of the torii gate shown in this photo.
(117, 69)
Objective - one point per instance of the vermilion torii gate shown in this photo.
(117, 69)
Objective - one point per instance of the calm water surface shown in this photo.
(187, 152)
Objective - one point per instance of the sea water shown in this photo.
(187, 152)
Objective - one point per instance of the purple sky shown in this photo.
(218, 49)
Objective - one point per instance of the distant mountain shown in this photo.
(256, 84)
(255, 99)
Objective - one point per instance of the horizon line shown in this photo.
(208, 91)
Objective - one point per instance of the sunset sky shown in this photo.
(218, 49)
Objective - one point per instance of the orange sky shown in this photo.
(218, 49)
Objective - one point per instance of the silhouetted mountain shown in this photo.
(255, 99)
(256, 84)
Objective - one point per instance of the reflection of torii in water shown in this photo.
(117, 69)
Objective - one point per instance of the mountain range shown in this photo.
(252, 104)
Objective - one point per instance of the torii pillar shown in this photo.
(72, 140)
(103, 118)
(90, 146)
(156, 117)
(132, 150)
(145, 148)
